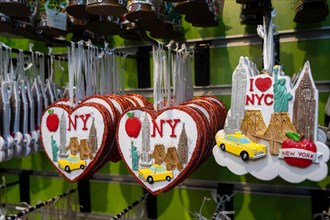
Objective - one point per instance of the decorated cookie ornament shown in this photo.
(266, 109)
(167, 147)
(78, 146)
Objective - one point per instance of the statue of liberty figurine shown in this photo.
(54, 149)
(281, 96)
(135, 157)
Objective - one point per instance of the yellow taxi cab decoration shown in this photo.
(240, 145)
(71, 163)
(155, 173)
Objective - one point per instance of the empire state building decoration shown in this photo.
(62, 148)
(145, 156)
(236, 112)
(92, 140)
(183, 146)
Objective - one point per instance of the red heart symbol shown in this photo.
(79, 147)
(167, 149)
(263, 84)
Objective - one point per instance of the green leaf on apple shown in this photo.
(293, 135)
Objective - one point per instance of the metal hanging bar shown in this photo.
(38, 206)
(136, 202)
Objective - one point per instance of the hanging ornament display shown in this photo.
(267, 133)
(162, 145)
(78, 132)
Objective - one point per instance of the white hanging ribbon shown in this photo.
(167, 74)
(71, 65)
(160, 77)
(80, 86)
(88, 67)
(190, 89)
(108, 72)
(114, 74)
(155, 73)
(122, 74)
(94, 71)
(102, 74)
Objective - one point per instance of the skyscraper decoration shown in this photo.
(305, 103)
(279, 114)
(183, 146)
(92, 139)
(145, 152)
(62, 148)
(236, 112)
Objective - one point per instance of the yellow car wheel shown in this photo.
(150, 180)
(244, 156)
(222, 147)
(168, 178)
(67, 169)
(82, 167)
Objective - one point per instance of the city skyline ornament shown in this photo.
(274, 105)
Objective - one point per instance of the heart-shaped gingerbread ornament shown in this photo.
(160, 149)
(75, 139)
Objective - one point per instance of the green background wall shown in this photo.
(112, 197)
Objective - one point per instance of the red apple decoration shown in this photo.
(52, 121)
(132, 125)
(305, 157)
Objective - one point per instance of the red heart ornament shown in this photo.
(77, 147)
(166, 150)
(263, 84)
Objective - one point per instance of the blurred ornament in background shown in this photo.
(106, 7)
(104, 25)
(252, 14)
(16, 8)
(172, 20)
(311, 11)
(76, 24)
(51, 18)
(77, 9)
(128, 30)
(200, 13)
(5, 23)
(86, 35)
